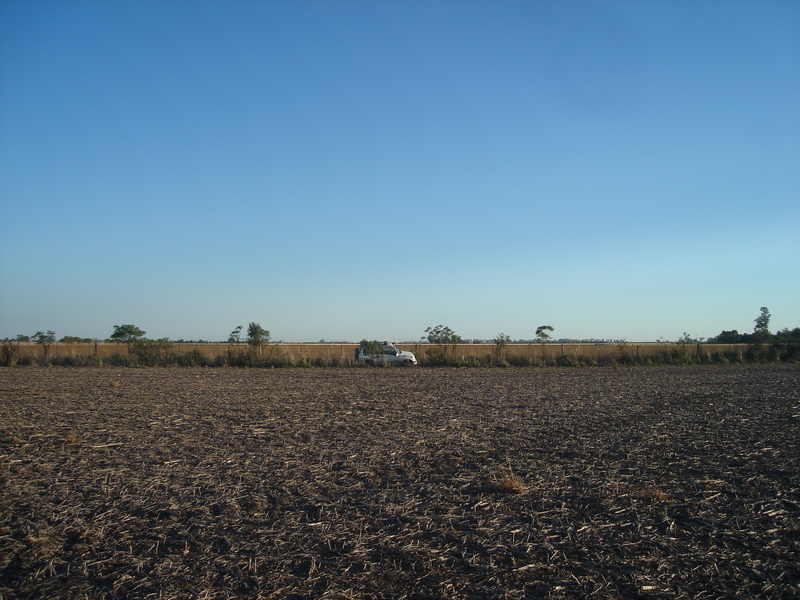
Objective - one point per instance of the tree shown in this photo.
(44, 340)
(74, 339)
(762, 322)
(236, 335)
(542, 335)
(688, 339)
(257, 337)
(784, 335)
(127, 334)
(500, 342)
(443, 336)
(727, 337)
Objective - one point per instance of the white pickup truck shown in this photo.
(389, 354)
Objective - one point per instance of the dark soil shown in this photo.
(662, 482)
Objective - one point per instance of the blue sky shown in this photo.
(348, 170)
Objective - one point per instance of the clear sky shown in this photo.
(343, 170)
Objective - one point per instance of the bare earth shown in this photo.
(673, 482)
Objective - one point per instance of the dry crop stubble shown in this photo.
(661, 483)
(505, 480)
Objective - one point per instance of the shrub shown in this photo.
(9, 353)
(193, 358)
(118, 360)
(436, 356)
(518, 361)
(154, 353)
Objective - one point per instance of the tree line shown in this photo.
(761, 333)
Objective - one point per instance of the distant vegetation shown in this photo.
(439, 346)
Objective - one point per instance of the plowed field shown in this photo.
(673, 482)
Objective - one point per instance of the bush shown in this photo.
(518, 361)
(436, 357)
(788, 352)
(9, 353)
(118, 360)
(154, 353)
(194, 358)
